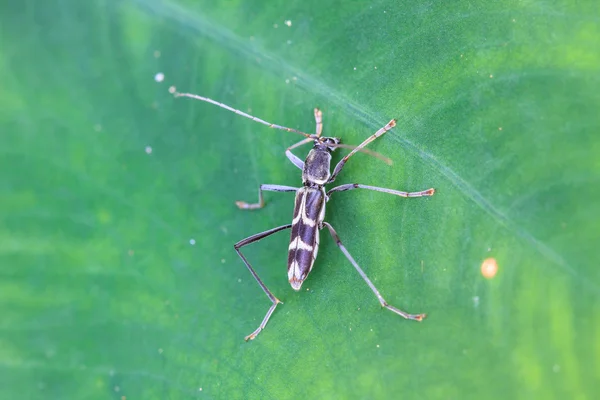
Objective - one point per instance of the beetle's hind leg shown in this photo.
(274, 300)
(334, 235)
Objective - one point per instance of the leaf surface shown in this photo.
(119, 278)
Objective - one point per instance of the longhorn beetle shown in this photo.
(309, 207)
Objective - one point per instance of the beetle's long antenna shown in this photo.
(243, 114)
(383, 158)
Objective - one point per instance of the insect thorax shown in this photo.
(317, 166)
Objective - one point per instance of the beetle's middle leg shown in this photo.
(351, 186)
(261, 201)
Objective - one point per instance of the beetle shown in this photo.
(309, 206)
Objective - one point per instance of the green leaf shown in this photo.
(117, 216)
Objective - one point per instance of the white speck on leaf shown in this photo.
(159, 77)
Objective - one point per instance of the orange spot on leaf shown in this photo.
(489, 268)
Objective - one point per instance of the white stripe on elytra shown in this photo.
(294, 271)
(316, 247)
(302, 214)
(298, 244)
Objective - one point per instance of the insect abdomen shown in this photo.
(309, 211)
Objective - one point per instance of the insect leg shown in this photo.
(295, 160)
(261, 202)
(340, 165)
(274, 300)
(334, 235)
(350, 186)
(319, 121)
(319, 129)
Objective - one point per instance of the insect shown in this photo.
(309, 206)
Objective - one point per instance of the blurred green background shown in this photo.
(117, 216)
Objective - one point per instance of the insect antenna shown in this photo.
(243, 114)
(372, 153)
